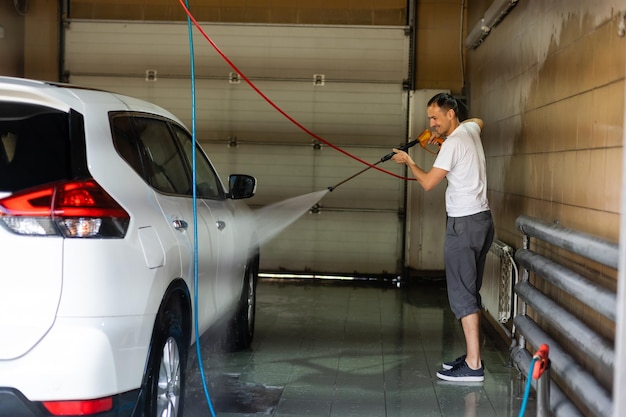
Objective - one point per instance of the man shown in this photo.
(469, 229)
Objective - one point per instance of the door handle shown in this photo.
(220, 224)
(179, 224)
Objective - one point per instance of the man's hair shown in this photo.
(446, 102)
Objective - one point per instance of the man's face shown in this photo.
(440, 120)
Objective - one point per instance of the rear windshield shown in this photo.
(34, 146)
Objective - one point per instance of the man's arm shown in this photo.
(476, 120)
(428, 180)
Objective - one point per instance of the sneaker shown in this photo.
(452, 364)
(462, 373)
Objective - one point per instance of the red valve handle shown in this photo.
(542, 362)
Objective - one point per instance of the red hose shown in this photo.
(275, 106)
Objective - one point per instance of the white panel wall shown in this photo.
(361, 107)
(341, 113)
(275, 52)
(286, 171)
(357, 228)
(331, 242)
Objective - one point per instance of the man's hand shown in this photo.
(402, 157)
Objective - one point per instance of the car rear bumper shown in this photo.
(14, 404)
(84, 358)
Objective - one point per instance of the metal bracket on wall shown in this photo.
(151, 75)
(234, 78)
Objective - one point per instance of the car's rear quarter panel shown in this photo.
(30, 290)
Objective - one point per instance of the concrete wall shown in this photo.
(549, 83)
(439, 52)
(30, 46)
(11, 43)
(41, 40)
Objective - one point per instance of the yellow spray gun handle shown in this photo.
(427, 135)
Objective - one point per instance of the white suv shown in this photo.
(97, 288)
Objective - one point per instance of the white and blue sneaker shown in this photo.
(452, 364)
(462, 373)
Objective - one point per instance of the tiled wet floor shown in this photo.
(353, 351)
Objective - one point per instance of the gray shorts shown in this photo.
(467, 242)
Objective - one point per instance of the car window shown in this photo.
(148, 146)
(34, 146)
(208, 184)
(8, 139)
(127, 143)
(168, 172)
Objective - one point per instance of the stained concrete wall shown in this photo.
(549, 83)
(11, 42)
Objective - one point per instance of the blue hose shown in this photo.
(195, 213)
(522, 409)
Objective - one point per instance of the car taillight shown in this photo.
(76, 209)
(79, 408)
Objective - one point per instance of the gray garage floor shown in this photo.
(353, 350)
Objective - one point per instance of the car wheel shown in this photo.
(241, 331)
(166, 371)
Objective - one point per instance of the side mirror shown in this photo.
(241, 186)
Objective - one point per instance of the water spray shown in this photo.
(422, 139)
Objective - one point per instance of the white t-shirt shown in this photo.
(462, 155)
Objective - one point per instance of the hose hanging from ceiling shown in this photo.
(274, 105)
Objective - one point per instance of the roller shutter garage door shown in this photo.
(344, 83)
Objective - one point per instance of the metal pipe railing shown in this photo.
(560, 405)
(583, 244)
(581, 382)
(589, 342)
(579, 337)
(600, 299)
(543, 395)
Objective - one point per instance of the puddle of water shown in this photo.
(230, 395)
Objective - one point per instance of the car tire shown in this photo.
(165, 374)
(241, 330)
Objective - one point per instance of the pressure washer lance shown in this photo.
(422, 139)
